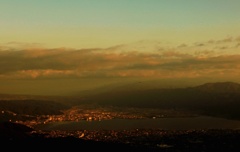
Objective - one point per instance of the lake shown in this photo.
(183, 123)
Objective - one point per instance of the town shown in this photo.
(162, 139)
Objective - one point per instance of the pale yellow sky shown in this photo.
(95, 24)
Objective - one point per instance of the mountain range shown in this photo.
(215, 99)
(221, 99)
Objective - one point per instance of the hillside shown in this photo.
(221, 99)
(13, 134)
(220, 87)
(215, 99)
(28, 109)
(18, 136)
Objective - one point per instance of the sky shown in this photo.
(78, 45)
(104, 23)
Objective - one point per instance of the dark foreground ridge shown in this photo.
(16, 136)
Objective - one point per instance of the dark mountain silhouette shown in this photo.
(12, 131)
(17, 137)
(14, 135)
(221, 99)
(220, 87)
(216, 99)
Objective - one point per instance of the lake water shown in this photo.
(159, 123)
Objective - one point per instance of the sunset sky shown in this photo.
(104, 23)
(75, 45)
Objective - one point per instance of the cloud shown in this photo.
(215, 58)
(226, 40)
(238, 39)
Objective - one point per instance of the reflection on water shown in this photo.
(160, 123)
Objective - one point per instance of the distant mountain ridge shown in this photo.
(220, 99)
(220, 87)
(216, 99)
